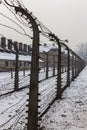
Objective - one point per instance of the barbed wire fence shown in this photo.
(53, 65)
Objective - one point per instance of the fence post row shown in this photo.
(32, 123)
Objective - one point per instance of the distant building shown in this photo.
(52, 53)
(8, 55)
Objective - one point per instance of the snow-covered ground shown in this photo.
(13, 106)
(13, 111)
(7, 83)
(69, 113)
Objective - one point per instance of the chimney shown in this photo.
(3, 43)
(25, 48)
(20, 47)
(29, 48)
(10, 44)
(15, 45)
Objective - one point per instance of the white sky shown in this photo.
(66, 18)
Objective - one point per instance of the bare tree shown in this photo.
(82, 51)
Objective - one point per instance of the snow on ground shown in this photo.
(7, 83)
(13, 106)
(70, 112)
(13, 111)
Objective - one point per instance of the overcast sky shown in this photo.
(66, 18)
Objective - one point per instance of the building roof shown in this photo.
(47, 48)
(11, 57)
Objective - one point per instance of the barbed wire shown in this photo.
(12, 12)
(44, 30)
(15, 30)
(13, 21)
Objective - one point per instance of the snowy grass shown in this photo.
(70, 113)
